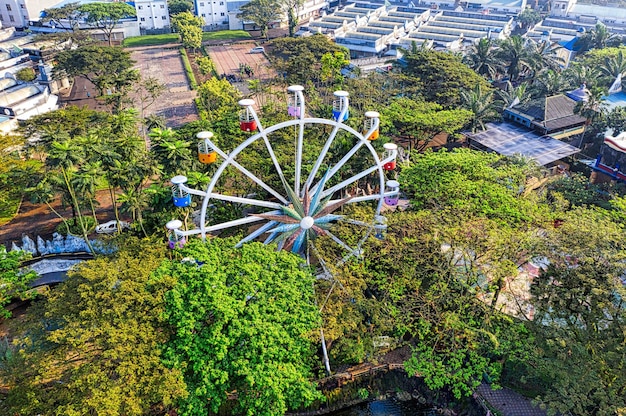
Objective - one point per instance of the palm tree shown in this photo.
(593, 108)
(64, 155)
(174, 154)
(86, 183)
(481, 104)
(43, 193)
(549, 83)
(517, 57)
(613, 67)
(512, 96)
(547, 55)
(481, 57)
(134, 201)
(598, 37)
(579, 74)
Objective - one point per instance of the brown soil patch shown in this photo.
(38, 219)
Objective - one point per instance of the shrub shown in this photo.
(190, 76)
(25, 74)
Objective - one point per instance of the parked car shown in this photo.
(257, 49)
(110, 227)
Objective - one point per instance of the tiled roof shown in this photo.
(551, 112)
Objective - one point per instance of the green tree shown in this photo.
(418, 122)
(480, 103)
(481, 57)
(190, 36)
(14, 283)
(25, 74)
(529, 17)
(242, 320)
(186, 19)
(106, 16)
(262, 12)
(105, 67)
(599, 37)
(218, 97)
(95, 346)
(518, 57)
(179, 6)
(292, 9)
(438, 76)
(579, 315)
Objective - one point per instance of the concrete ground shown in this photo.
(165, 64)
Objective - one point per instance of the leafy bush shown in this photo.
(190, 76)
(75, 229)
(25, 74)
(206, 65)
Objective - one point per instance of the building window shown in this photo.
(140, 7)
(1, 17)
(221, 3)
(201, 4)
(203, 14)
(222, 14)
(163, 17)
(8, 7)
(143, 19)
(22, 6)
(11, 18)
(163, 6)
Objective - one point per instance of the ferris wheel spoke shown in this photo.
(339, 164)
(259, 182)
(339, 241)
(257, 233)
(236, 223)
(322, 155)
(348, 181)
(246, 201)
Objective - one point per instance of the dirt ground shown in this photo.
(36, 219)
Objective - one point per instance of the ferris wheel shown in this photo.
(304, 204)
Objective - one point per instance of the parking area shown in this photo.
(165, 64)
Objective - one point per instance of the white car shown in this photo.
(110, 227)
(258, 49)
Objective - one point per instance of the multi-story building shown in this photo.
(152, 14)
(214, 12)
(18, 13)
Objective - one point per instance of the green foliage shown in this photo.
(106, 16)
(300, 58)
(105, 67)
(186, 19)
(467, 181)
(418, 122)
(529, 17)
(14, 283)
(188, 71)
(261, 12)
(218, 97)
(579, 311)
(179, 6)
(439, 76)
(191, 36)
(94, 347)
(74, 228)
(577, 191)
(25, 74)
(206, 65)
(241, 320)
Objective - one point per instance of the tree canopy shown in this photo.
(106, 16)
(242, 321)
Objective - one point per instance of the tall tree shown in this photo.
(262, 13)
(104, 67)
(94, 346)
(242, 321)
(517, 57)
(598, 37)
(179, 6)
(186, 19)
(481, 57)
(480, 103)
(106, 16)
(292, 9)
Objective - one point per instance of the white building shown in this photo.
(152, 14)
(214, 12)
(309, 9)
(17, 13)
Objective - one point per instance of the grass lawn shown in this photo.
(226, 34)
(151, 40)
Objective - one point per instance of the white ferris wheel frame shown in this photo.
(298, 186)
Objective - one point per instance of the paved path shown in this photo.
(165, 64)
(508, 402)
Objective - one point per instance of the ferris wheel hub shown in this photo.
(306, 223)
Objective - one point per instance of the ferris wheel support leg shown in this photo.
(322, 156)
(325, 353)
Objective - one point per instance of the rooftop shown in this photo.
(553, 112)
(508, 139)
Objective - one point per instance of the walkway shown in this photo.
(508, 402)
